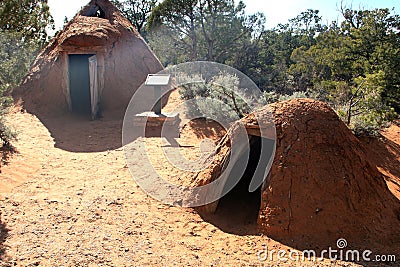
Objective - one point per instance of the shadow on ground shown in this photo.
(81, 134)
(383, 152)
(3, 237)
(6, 150)
(204, 128)
(236, 213)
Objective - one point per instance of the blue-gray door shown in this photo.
(79, 83)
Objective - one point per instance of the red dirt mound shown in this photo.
(321, 186)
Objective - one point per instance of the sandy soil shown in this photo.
(68, 199)
(385, 153)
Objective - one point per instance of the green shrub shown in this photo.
(216, 98)
(16, 55)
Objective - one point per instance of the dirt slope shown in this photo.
(384, 152)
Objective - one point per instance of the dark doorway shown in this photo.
(237, 211)
(79, 83)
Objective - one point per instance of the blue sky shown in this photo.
(276, 11)
(279, 11)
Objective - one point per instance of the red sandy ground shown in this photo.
(68, 199)
(385, 153)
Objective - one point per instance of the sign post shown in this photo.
(157, 81)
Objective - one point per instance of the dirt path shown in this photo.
(76, 204)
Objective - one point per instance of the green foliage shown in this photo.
(354, 68)
(212, 30)
(225, 87)
(27, 17)
(363, 108)
(269, 61)
(272, 97)
(137, 12)
(216, 98)
(22, 31)
(6, 134)
(15, 59)
(353, 65)
(293, 96)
